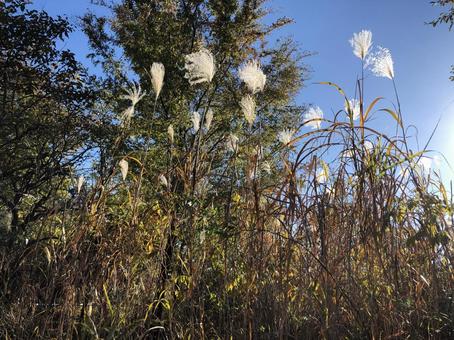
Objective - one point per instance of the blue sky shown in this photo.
(422, 56)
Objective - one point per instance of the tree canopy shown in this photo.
(43, 112)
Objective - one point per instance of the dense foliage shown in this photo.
(184, 194)
(43, 114)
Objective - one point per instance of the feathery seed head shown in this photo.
(247, 104)
(126, 115)
(134, 94)
(124, 166)
(157, 72)
(208, 119)
(354, 107)
(381, 63)
(313, 117)
(199, 67)
(252, 75)
(361, 43)
(285, 136)
(163, 180)
(80, 182)
(195, 119)
(171, 133)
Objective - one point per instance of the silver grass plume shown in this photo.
(208, 119)
(252, 75)
(285, 136)
(171, 133)
(354, 107)
(157, 73)
(313, 117)
(200, 66)
(124, 166)
(361, 43)
(80, 182)
(247, 104)
(195, 119)
(134, 94)
(163, 180)
(381, 63)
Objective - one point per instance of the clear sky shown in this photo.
(422, 57)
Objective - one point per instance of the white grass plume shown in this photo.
(200, 67)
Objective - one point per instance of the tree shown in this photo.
(43, 113)
(167, 31)
(445, 18)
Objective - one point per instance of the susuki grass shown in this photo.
(333, 230)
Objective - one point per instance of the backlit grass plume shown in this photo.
(252, 75)
(208, 119)
(171, 133)
(247, 104)
(157, 73)
(124, 167)
(285, 136)
(200, 67)
(195, 119)
(80, 182)
(361, 43)
(313, 117)
(353, 106)
(133, 94)
(163, 180)
(381, 63)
